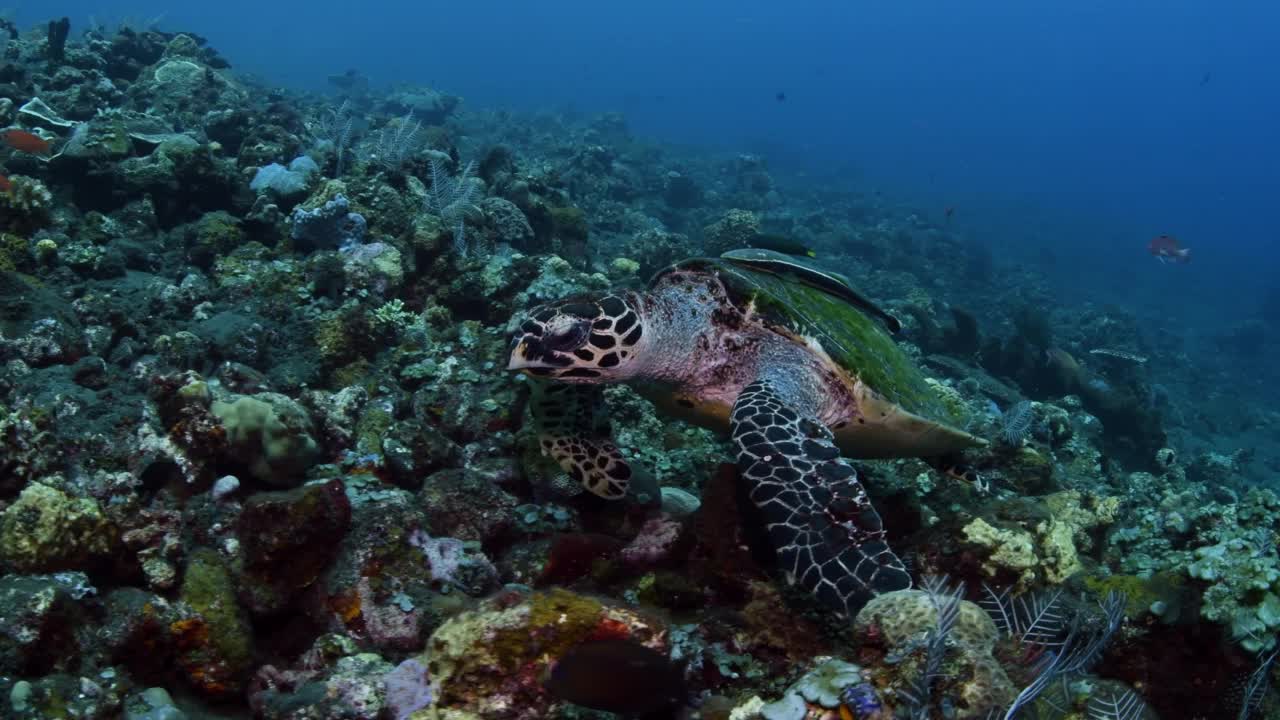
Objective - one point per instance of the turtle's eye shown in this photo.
(566, 335)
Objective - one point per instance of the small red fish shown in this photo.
(5, 184)
(25, 141)
(1167, 249)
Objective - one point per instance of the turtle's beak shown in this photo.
(527, 354)
(519, 360)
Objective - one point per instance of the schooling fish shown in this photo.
(619, 676)
(25, 141)
(780, 243)
(1167, 249)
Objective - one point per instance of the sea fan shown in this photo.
(1017, 423)
(392, 146)
(1039, 621)
(334, 126)
(1120, 706)
(1034, 620)
(1256, 687)
(946, 601)
(450, 198)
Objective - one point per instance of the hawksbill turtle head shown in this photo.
(588, 341)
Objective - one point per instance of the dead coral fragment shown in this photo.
(1051, 549)
(46, 531)
(25, 205)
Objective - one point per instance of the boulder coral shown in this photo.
(271, 435)
(489, 663)
(46, 530)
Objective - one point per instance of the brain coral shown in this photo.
(905, 614)
(971, 678)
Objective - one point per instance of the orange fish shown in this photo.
(25, 141)
(1168, 249)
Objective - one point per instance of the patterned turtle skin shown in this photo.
(900, 414)
(799, 376)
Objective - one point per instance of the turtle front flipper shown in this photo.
(571, 432)
(827, 536)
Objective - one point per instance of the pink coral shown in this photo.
(454, 564)
(408, 688)
(655, 543)
(389, 625)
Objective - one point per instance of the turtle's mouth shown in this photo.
(550, 345)
(529, 354)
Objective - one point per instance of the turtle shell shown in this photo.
(902, 415)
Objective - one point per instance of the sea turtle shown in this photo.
(788, 358)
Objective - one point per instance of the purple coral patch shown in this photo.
(408, 688)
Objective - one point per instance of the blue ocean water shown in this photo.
(1086, 127)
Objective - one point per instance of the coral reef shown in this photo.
(489, 662)
(260, 452)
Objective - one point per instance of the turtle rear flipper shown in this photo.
(570, 432)
(827, 536)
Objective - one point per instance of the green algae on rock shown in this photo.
(214, 642)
